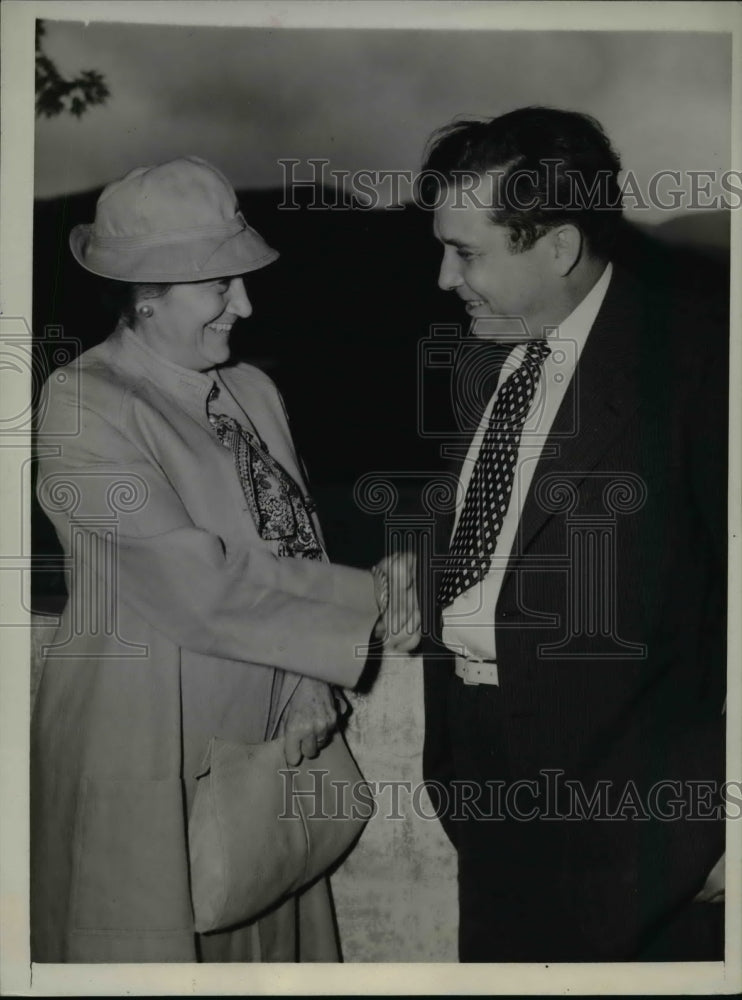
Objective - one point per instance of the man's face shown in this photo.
(490, 278)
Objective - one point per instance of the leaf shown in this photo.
(84, 91)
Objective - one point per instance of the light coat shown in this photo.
(181, 624)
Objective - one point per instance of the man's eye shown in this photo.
(222, 285)
(465, 254)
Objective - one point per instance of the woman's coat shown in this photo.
(181, 624)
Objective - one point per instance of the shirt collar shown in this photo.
(578, 324)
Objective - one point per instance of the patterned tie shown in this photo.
(491, 482)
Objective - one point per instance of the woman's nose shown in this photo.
(239, 304)
(449, 276)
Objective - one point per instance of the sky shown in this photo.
(244, 98)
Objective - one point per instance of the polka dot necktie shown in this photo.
(491, 483)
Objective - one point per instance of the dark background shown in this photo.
(338, 322)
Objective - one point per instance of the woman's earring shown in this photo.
(145, 311)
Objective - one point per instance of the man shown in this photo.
(575, 734)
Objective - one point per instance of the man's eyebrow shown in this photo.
(454, 243)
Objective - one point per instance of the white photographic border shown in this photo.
(17, 976)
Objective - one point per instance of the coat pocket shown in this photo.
(130, 867)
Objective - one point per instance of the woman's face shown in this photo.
(190, 324)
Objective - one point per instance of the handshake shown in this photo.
(398, 626)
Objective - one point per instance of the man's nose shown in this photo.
(238, 302)
(449, 276)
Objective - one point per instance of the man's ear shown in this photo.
(566, 247)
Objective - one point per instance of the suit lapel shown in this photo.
(601, 398)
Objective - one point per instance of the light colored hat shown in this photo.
(173, 222)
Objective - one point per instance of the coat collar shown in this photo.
(131, 352)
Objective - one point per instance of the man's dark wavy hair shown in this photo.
(550, 167)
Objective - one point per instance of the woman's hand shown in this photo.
(308, 721)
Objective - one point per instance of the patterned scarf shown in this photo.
(280, 511)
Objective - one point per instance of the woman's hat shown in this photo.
(174, 222)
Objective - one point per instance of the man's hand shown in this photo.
(713, 889)
(308, 721)
(399, 623)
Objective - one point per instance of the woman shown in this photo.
(201, 601)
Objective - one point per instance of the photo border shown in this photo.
(17, 976)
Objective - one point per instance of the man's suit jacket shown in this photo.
(620, 676)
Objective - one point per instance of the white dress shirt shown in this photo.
(469, 623)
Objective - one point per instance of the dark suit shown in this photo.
(632, 691)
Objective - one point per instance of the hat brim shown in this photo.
(181, 262)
